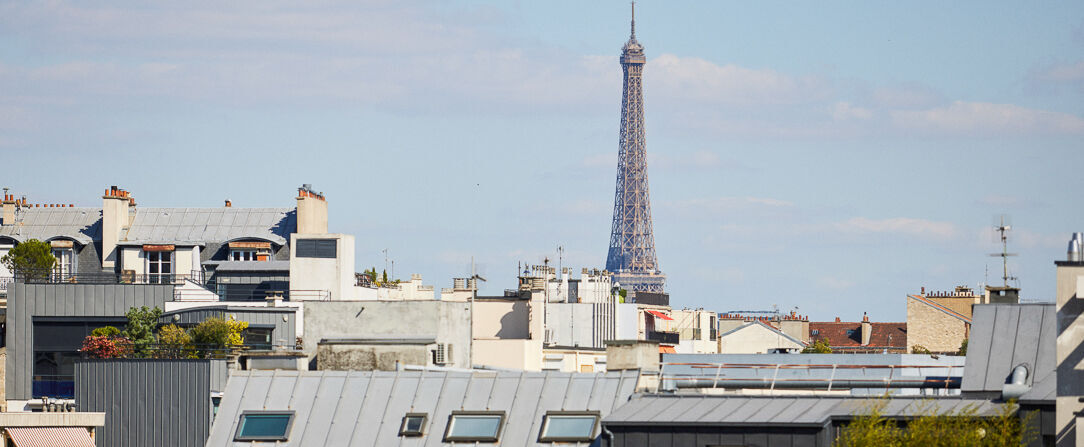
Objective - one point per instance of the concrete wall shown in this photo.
(934, 329)
(372, 357)
(572, 360)
(519, 354)
(1070, 356)
(754, 339)
(587, 325)
(333, 275)
(501, 319)
(26, 301)
(444, 322)
(147, 401)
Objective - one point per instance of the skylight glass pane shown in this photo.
(414, 423)
(474, 426)
(569, 427)
(264, 426)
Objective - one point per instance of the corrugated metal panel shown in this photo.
(147, 401)
(198, 225)
(26, 301)
(50, 436)
(366, 408)
(1006, 335)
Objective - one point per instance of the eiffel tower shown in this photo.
(632, 245)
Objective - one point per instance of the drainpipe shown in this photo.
(609, 436)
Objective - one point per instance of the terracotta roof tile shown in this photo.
(849, 334)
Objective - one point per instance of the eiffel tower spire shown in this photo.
(631, 255)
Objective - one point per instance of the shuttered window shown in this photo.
(316, 248)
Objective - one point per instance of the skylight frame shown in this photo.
(448, 437)
(237, 436)
(542, 437)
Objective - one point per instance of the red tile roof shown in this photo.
(849, 335)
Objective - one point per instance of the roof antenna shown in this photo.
(634, 20)
(1004, 255)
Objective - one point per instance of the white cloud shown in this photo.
(980, 118)
(691, 79)
(900, 226)
(726, 204)
(845, 111)
(829, 282)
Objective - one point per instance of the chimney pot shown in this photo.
(228, 203)
(838, 320)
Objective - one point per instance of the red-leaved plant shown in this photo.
(106, 347)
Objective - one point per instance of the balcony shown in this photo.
(670, 338)
(112, 278)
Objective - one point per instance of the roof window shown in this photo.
(264, 426)
(474, 426)
(413, 424)
(569, 426)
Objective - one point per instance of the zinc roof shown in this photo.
(202, 225)
(80, 224)
(715, 410)
(1006, 335)
(365, 408)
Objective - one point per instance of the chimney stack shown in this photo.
(115, 218)
(1076, 245)
(311, 211)
(9, 205)
(228, 203)
(867, 329)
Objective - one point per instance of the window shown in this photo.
(258, 337)
(65, 265)
(569, 426)
(160, 267)
(474, 426)
(316, 248)
(413, 424)
(264, 426)
(249, 251)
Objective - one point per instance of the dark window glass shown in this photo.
(568, 427)
(258, 337)
(316, 248)
(413, 424)
(264, 426)
(474, 427)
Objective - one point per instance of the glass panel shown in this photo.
(236, 256)
(264, 426)
(414, 423)
(474, 426)
(569, 427)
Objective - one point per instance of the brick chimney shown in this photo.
(867, 329)
(115, 218)
(311, 211)
(9, 205)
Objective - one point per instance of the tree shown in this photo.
(105, 331)
(142, 323)
(216, 334)
(919, 349)
(963, 348)
(930, 428)
(818, 347)
(30, 260)
(106, 347)
(384, 279)
(175, 342)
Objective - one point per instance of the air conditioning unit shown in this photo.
(550, 338)
(443, 354)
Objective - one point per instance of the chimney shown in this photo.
(228, 203)
(867, 329)
(115, 219)
(311, 211)
(838, 320)
(9, 205)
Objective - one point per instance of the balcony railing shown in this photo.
(115, 278)
(5, 281)
(664, 337)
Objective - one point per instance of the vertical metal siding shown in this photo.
(147, 401)
(26, 301)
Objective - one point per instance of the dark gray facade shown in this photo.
(27, 302)
(283, 329)
(720, 436)
(148, 402)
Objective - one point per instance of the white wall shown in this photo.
(333, 276)
(754, 339)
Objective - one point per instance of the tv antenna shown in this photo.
(1003, 228)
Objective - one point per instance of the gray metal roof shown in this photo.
(251, 266)
(1006, 335)
(202, 225)
(715, 410)
(765, 326)
(80, 224)
(355, 408)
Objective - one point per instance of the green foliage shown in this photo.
(217, 334)
(919, 349)
(963, 427)
(175, 342)
(105, 331)
(142, 323)
(32, 259)
(384, 278)
(818, 347)
(371, 273)
(963, 348)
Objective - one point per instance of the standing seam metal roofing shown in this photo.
(200, 225)
(84, 225)
(1006, 335)
(365, 408)
(671, 409)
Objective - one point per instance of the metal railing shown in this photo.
(838, 376)
(664, 337)
(5, 281)
(116, 278)
(259, 295)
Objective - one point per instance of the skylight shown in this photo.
(474, 426)
(568, 426)
(413, 424)
(264, 426)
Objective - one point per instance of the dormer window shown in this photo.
(159, 263)
(250, 251)
(64, 252)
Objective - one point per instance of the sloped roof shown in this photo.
(366, 407)
(762, 325)
(849, 334)
(1006, 335)
(84, 225)
(811, 411)
(202, 225)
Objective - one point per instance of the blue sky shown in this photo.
(832, 157)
